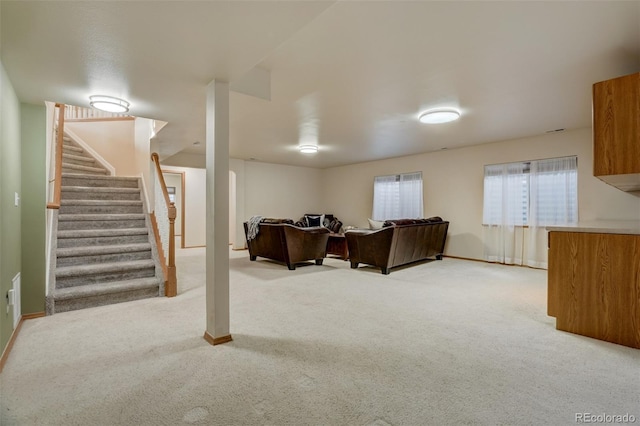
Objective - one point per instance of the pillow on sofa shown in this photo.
(313, 220)
(375, 224)
(335, 226)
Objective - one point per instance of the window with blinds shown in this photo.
(534, 193)
(397, 196)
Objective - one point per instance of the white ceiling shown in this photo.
(354, 74)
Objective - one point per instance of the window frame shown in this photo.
(526, 172)
(402, 211)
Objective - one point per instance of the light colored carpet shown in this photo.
(449, 342)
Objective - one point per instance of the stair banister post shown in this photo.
(171, 284)
(171, 289)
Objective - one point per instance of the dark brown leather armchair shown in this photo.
(398, 243)
(288, 243)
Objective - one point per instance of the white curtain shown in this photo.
(397, 196)
(553, 195)
(505, 212)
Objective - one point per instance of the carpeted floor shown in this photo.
(449, 342)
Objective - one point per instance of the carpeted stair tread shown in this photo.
(83, 168)
(89, 233)
(106, 189)
(99, 250)
(80, 158)
(76, 271)
(101, 217)
(100, 203)
(99, 181)
(73, 148)
(89, 177)
(104, 253)
(106, 288)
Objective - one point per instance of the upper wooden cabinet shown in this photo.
(616, 131)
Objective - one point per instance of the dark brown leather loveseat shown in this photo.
(399, 242)
(287, 243)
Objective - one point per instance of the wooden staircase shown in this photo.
(105, 252)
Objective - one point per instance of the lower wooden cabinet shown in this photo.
(594, 285)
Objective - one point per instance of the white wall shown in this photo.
(113, 140)
(274, 190)
(238, 168)
(453, 188)
(142, 162)
(175, 180)
(194, 199)
(453, 185)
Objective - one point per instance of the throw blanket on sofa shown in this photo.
(254, 225)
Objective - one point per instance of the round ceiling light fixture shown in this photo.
(109, 103)
(308, 149)
(437, 116)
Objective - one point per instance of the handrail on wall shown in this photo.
(57, 186)
(171, 286)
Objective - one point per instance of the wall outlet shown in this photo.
(16, 200)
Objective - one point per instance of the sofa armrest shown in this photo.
(371, 247)
(306, 243)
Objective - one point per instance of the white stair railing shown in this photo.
(76, 113)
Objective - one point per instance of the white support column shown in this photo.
(217, 285)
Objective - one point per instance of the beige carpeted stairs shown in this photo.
(104, 252)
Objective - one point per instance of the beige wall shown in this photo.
(175, 180)
(194, 199)
(113, 140)
(142, 163)
(274, 190)
(236, 235)
(453, 185)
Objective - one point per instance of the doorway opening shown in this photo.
(175, 182)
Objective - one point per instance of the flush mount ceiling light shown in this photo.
(109, 103)
(437, 116)
(308, 149)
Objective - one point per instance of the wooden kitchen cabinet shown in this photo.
(594, 285)
(616, 131)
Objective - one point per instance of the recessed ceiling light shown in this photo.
(109, 103)
(308, 149)
(437, 116)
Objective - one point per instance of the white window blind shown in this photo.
(397, 196)
(535, 193)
